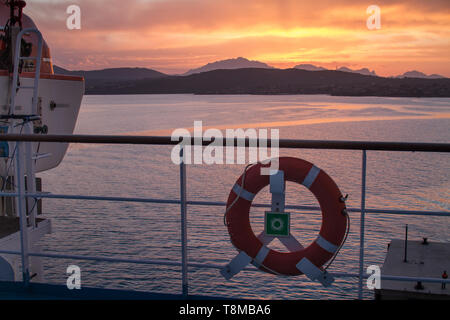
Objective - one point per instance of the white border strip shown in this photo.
(311, 177)
(242, 193)
(326, 245)
(313, 273)
(236, 265)
(261, 256)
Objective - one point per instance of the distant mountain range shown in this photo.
(367, 72)
(241, 63)
(418, 74)
(242, 76)
(99, 77)
(238, 63)
(276, 81)
(363, 71)
(310, 67)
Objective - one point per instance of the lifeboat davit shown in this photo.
(59, 99)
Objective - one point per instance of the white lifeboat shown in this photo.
(59, 100)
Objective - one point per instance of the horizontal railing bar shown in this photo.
(217, 204)
(405, 212)
(99, 198)
(415, 279)
(315, 208)
(203, 265)
(120, 260)
(237, 142)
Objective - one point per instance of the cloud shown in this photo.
(107, 15)
(181, 34)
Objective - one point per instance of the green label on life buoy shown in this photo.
(277, 224)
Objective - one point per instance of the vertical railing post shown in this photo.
(31, 177)
(184, 257)
(362, 224)
(20, 206)
(405, 259)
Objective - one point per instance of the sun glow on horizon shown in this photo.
(176, 35)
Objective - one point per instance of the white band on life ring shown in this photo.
(236, 265)
(242, 193)
(261, 256)
(326, 245)
(311, 177)
(314, 273)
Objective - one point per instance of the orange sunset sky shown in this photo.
(173, 36)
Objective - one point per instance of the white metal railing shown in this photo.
(183, 202)
(24, 152)
(17, 59)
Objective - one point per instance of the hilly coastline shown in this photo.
(229, 77)
(96, 78)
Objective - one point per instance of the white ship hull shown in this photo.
(48, 106)
(59, 104)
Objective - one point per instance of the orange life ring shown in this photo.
(332, 204)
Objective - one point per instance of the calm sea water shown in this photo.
(151, 231)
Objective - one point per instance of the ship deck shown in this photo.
(39, 291)
(11, 225)
(422, 260)
(8, 226)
